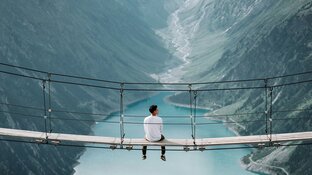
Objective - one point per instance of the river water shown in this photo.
(177, 38)
(122, 162)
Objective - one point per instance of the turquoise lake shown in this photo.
(123, 162)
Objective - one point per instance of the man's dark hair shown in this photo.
(152, 108)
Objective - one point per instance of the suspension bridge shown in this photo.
(195, 143)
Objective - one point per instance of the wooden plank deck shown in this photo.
(255, 139)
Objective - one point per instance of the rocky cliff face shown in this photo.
(254, 39)
(101, 39)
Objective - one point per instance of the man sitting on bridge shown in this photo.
(153, 127)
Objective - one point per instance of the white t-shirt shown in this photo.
(153, 131)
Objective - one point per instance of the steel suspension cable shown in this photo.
(154, 83)
(158, 90)
(141, 123)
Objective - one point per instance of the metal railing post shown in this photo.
(49, 96)
(44, 108)
(266, 105)
(270, 111)
(194, 123)
(191, 110)
(122, 133)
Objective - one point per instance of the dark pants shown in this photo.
(163, 148)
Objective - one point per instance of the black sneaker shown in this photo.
(143, 157)
(163, 158)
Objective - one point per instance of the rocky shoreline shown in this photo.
(252, 166)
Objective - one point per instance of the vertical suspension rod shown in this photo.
(49, 96)
(270, 111)
(191, 109)
(266, 105)
(194, 123)
(122, 133)
(44, 107)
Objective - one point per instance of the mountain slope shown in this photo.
(254, 39)
(100, 39)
